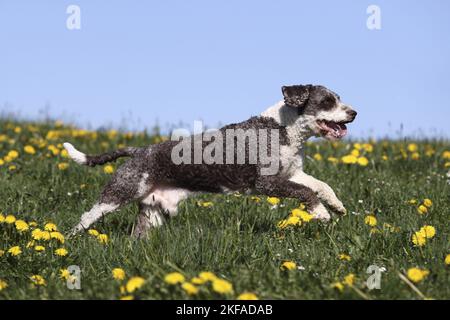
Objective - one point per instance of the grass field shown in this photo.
(236, 237)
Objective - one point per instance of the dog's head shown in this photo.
(320, 110)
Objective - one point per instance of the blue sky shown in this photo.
(224, 61)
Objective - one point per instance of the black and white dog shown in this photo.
(151, 177)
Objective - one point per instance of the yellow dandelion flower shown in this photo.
(384, 157)
(64, 274)
(416, 275)
(64, 153)
(102, 238)
(422, 209)
(21, 225)
(38, 280)
(368, 147)
(370, 220)
(50, 227)
(29, 149)
(39, 248)
(118, 273)
(198, 280)
(412, 147)
(63, 166)
(134, 283)
(333, 160)
(207, 276)
(33, 224)
(318, 157)
(222, 286)
(62, 252)
(108, 169)
(3, 284)
(189, 288)
(427, 203)
(446, 155)
(428, 231)
(344, 257)
(349, 159)
(12, 167)
(36, 234)
(15, 251)
(174, 278)
(128, 297)
(415, 156)
(273, 201)
(355, 153)
(338, 286)
(412, 201)
(2, 218)
(418, 239)
(302, 214)
(247, 296)
(30, 244)
(447, 259)
(349, 279)
(13, 154)
(288, 265)
(58, 236)
(93, 232)
(45, 235)
(10, 219)
(205, 204)
(2, 252)
(362, 161)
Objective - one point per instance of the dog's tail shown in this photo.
(92, 161)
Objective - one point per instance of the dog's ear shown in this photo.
(296, 96)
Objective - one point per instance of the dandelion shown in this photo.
(427, 203)
(21, 226)
(349, 159)
(247, 296)
(64, 153)
(368, 147)
(12, 168)
(39, 248)
(362, 161)
(370, 220)
(128, 297)
(418, 239)
(349, 279)
(189, 288)
(2, 252)
(64, 274)
(338, 286)
(291, 221)
(38, 280)
(58, 236)
(174, 278)
(36, 234)
(29, 149)
(415, 156)
(416, 275)
(45, 235)
(207, 276)
(93, 232)
(10, 219)
(318, 157)
(412, 201)
(422, 209)
(447, 259)
(102, 238)
(118, 273)
(305, 216)
(446, 155)
(2, 218)
(273, 201)
(62, 252)
(344, 257)
(198, 280)
(15, 251)
(134, 283)
(108, 169)
(205, 204)
(63, 166)
(333, 160)
(13, 154)
(288, 265)
(222, 286)
(3, 285)
(428, 231)
(412, 147)
(50, 227)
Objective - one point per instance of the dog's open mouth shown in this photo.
(332, 129)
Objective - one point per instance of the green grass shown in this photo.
(237, 238)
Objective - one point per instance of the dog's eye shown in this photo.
(328, 102)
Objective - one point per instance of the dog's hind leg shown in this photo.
(130, 182)
(161, 202)
(149, 217)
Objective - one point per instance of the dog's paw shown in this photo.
(321, 213)
(338, 207)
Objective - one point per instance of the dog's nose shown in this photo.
(352, 113)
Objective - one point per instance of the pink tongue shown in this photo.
(341, 129)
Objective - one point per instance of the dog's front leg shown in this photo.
(322, 189)
(278, 187)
